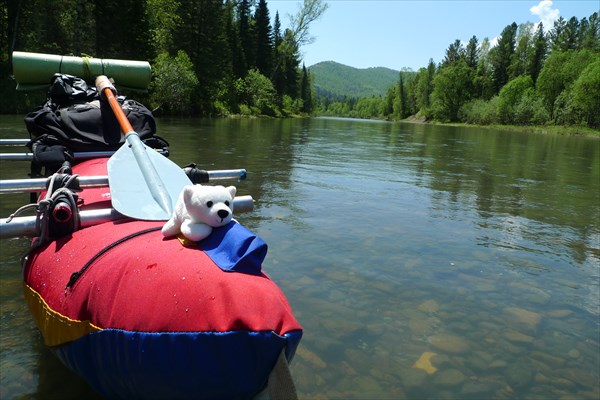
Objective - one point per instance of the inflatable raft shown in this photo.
(141, 316)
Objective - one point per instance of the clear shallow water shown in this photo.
(422, 261)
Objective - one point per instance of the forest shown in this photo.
(224, 57)
(529, 77)
(208, 57)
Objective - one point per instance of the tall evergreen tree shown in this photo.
(201, 35)
(402, 103)
(289, 65)
(539, 53)
(238, 60)
(122, 29)
(454, 53)
(277, 76)
(424, 86)
(589, 36)
(556, 32)
(305, 91)
(501, 56)
(264, 39)
(472, 53)
(246, 32)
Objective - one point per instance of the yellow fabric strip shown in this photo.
(56, 329)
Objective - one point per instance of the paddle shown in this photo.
(143, 184)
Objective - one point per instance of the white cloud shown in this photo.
(546, 13)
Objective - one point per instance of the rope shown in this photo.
(86, 68)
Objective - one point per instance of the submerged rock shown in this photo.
(450, 377)
(449, 343)
(430, 306)
(523, 317)
(424, 363)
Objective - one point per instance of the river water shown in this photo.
(424, 262)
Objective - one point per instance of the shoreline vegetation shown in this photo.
(537, 129)
(229, 58)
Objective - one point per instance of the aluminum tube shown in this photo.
(26, 226)
(13, 142)
(39, 184)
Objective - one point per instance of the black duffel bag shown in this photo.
(74, 117)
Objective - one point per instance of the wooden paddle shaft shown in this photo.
(107, 89)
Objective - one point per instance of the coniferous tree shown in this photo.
(454, 52)
(290, 61)
(305, 91)
(238, 60)
(402, 104)
(590, 34)
(556, 32)
(472, 52)
(501, 56)
(277, 76)
(539, 53)
(201, 35)
(389, 102)
(568, 39)
(264, 39)
(246, 33)
(424, 86)
(122, 29)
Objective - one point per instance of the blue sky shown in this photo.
(407, 33)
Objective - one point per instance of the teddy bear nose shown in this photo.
(223, 213)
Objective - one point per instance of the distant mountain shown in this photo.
(336, 80)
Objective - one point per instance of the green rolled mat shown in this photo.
(35, 70)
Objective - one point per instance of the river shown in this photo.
(424, 262)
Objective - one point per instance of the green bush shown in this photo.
(480, 112)
(586, 95)
(510, 95)
(174, 83)
(257, 93)
(530, 109)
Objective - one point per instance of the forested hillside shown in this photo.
(335, 81)
(530, 77)
(209, 57)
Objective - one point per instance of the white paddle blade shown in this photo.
(132, 195)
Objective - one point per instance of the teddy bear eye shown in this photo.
(227, 203)
(209, 204)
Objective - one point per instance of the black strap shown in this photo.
(76, 275)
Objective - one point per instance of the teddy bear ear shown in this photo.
(188, 191)
(231, 190)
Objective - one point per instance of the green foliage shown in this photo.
(510, 95)
(291, 106)
(579, 104)
(336, 80)
(480, 112)
(501, 56)
(560, 71)
(257, 93)
(452, 88)
(530, 109)
(222, 40)
(586, 94)
(174, 83)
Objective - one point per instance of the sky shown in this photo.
(407, 33)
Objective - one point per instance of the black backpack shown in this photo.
(73, 119)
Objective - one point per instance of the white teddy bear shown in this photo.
(199, 209)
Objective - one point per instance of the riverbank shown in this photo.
(539, 129)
